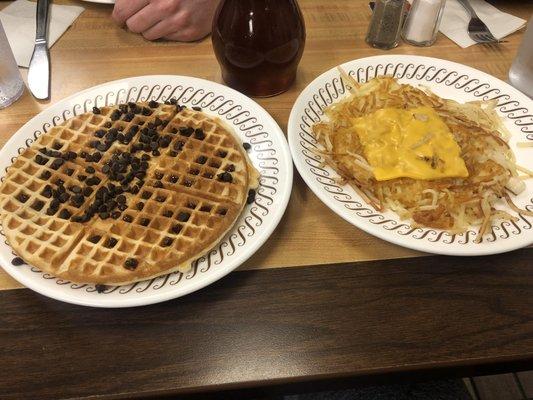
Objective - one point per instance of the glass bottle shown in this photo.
(386, 23)
(423, 21)
(258, 44)
(521, 72)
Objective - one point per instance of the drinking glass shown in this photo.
(11, 83)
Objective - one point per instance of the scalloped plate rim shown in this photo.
(285, 189)
(383, 234)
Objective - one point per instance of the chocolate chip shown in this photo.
(45, 175)
(64, 197)
(82, 177)
(65, 214)
(50, 211)
(247, 146)
(160, 199)
(93, 180)
(146, 111)
(58, 162)
(47, 191)
(69, 171)
(90, 170)
(166, 241)
(102, 147)
(77, 200)
(156, 153)
(115, 115)
(131, 264)
(96, 156)
(187, 182)
(158, 184)
(194, 171)
(144, 221)
(251, 196)
(222, 211)
(37, 205)
(22, 197)
(167, 213)
(111, 242)
(225, 177)
(173, 178)
(205, 208)
(123, 107)
(87, 191)
(94, 239)
(199, 134)
(127, 218)
(40, 159)
(59, 182)
(96, 110)
(139, 206)
(128, 117)
(178, 145)
(183, 216)
(186, 131)
(57, 145)
(176, 229)
(222, 153)
(100, 288)
(172, 153)
(230, 168)
(121, 199)
(191, 205)
(201, 160)
(17, 261)
(108, 124)
(208, 175)
(103, 215)
(99, 133)
(197, 108)
(153, 104)
(76, 189)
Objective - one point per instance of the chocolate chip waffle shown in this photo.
(125, 193)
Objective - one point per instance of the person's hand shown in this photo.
(183, 20)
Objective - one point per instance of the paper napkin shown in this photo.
(455, 21)
(18, 20)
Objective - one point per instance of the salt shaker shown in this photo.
(386, 23)
(521, 72)
(422, 24)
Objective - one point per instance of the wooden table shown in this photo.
(355, 310)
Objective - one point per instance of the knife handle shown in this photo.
(42, 20)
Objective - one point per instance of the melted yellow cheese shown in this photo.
(414, 143)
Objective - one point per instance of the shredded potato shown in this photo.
(452, 204)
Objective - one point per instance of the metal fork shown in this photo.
(477, 30)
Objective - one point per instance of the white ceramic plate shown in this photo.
(269, 154)
(446, 79)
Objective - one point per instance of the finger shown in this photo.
(186, 35)
(124, 9)
(144, 19)
(161, 29)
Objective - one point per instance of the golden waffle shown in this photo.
(125, 193)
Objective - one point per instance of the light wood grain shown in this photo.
(94, 50)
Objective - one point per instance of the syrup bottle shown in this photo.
(258, 44)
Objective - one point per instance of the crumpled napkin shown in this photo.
(455, 21)
(18, 20)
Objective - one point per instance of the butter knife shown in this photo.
(39, 72)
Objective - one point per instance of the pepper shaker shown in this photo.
(423, 21)
(386, 23)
